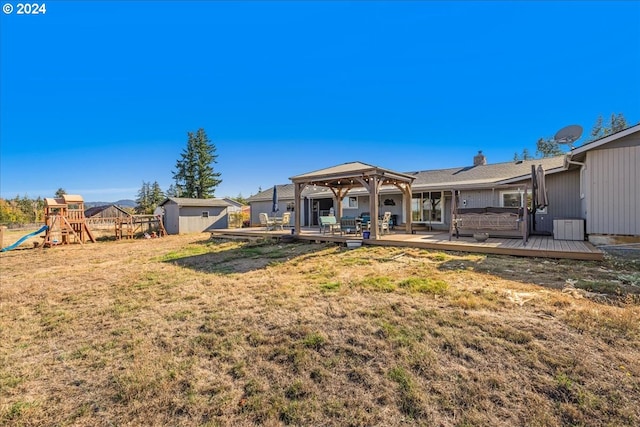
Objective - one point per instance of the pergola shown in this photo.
(343, 178)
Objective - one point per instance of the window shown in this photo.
(511, 199)
(427, 207)
(205, 214)
(291, 207)
(350, 203)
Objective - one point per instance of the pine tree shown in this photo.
(174, 191)
(60, 192)
(194, 173)
(616, 124)
(156, 195)
(547, 147)
(143, 201)
(597, 130)
(524, 156)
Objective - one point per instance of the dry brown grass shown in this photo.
(185, 331)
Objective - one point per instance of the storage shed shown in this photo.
(183, 215)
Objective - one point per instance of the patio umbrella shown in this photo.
(274, 208)
(541, 189)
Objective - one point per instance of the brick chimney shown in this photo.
(479, 159)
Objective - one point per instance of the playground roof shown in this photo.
(63, 201)
(73, 198)
(51, 202)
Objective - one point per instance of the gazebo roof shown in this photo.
(346, 175)
(342, 178)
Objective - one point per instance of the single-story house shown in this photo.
(595, 187)
(185, 215)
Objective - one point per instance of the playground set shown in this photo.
(65, 223)
(128, 227)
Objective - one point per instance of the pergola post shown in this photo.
(373, 205)
(297, 194)
(407, 206)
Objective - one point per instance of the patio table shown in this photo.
(277, 222)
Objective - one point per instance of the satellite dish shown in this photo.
(568, 135)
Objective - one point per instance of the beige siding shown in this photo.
(613, 184)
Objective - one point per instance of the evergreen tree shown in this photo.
(547, 147)
(174, 191)
(597, 129)
(194, 173)
(240, 199)
(60, 192)
(157, 195)
(616, 124)
(526, 155)
(143, 201)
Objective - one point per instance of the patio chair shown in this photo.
(384, 223)
(286, 217)
(366, 221)
(348, 225)
(265, 221)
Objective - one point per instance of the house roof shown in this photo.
(579, 153)
(481, 176)
(183, 201)
(97, 209)
(285, 192)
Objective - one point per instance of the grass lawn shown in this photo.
(187, 331)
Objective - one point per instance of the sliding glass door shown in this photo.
(427, 206)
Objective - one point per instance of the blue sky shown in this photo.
(97, 97)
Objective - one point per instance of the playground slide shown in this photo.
(22, 239)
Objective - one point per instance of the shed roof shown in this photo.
(183, 201)
(95, 210)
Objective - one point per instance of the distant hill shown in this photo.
(127, 203)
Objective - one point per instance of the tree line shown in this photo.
(21, 210)
(194, 177)
(548, 147)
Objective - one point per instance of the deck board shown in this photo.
(536, 246)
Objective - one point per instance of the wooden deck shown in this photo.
(537, 246)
